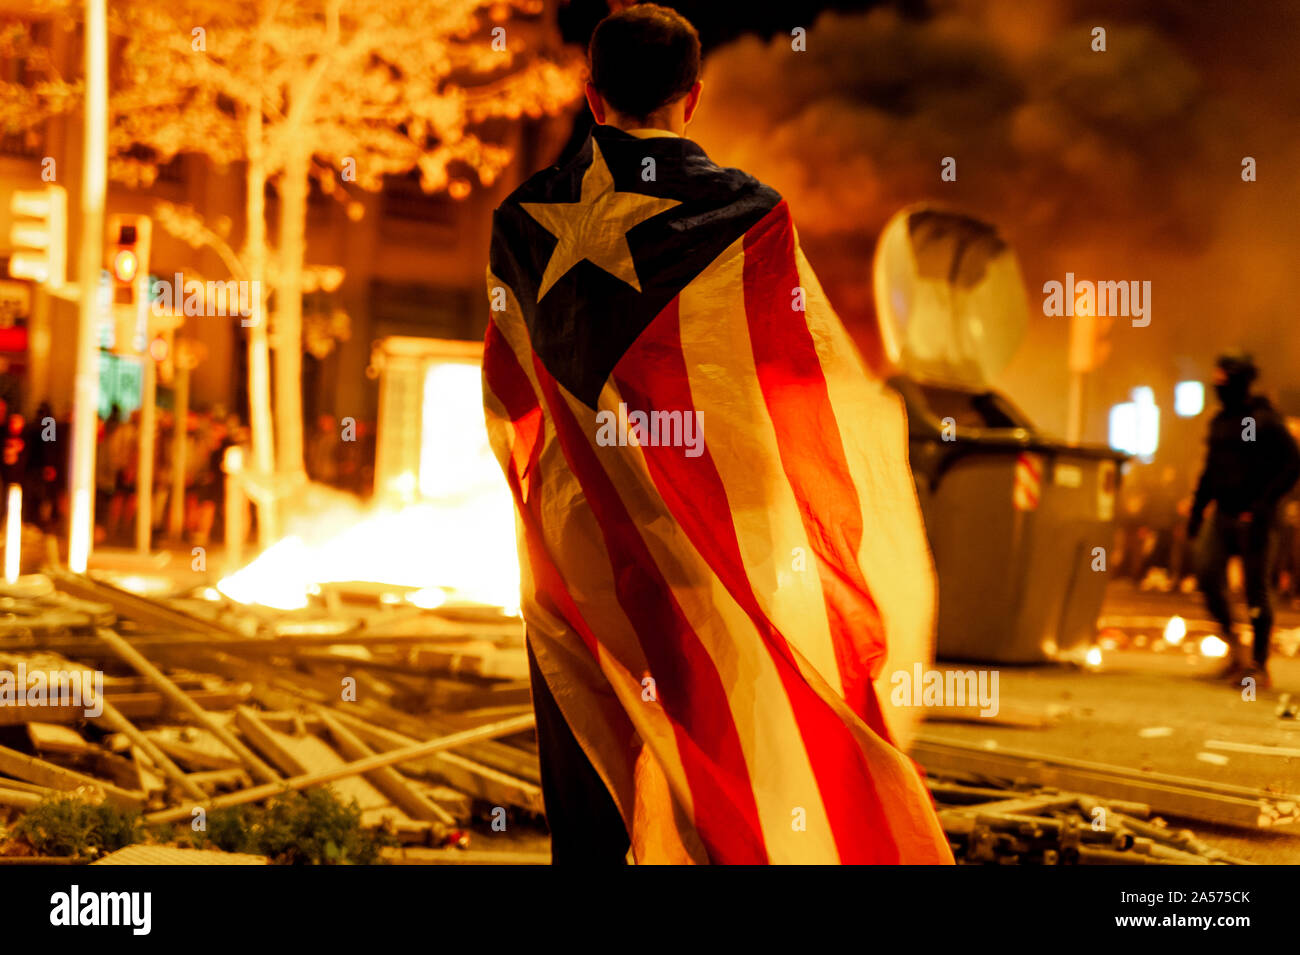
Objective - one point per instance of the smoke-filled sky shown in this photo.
(1119, 165)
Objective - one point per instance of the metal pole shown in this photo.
(232, 463)
(1074, 409)
(144, 472)
(94, 176)
(180, 411)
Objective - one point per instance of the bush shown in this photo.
(296, 828)
(66, 825)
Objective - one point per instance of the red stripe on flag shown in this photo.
(505, 378)
(687, 683)
(812, 453)
(695, 495)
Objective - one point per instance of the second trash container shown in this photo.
(1015, 518)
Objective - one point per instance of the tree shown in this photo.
(362, 89)
(42, 91)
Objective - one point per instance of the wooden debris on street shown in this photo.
(423, 718)
(1186, 797)
(989, 825)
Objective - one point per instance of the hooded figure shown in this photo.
(1251, 462)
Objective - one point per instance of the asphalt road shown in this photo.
(1159, 712)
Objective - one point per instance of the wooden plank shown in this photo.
(152, 613)
(172, 855)
(478, 659)
(201, 750)
(18, 799)
(151, 779)
(103, 764)
(267, 741)
(295, 724)
(275, 690)
(457, 804)
(467, 775)
(36, 770)
(26, 787)
(52, 738)
(387, 780)
(175, 694)
(211, 780)
(160, 759)
(1175, 796)
(357, 767)
(297, 755)
(149, 705)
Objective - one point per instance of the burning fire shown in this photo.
(451, 534)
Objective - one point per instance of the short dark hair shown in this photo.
(644, 58)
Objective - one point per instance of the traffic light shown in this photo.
(127, 249)
(127, 255)
(162, 343)
(40, 235)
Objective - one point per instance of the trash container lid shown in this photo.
(950, 300)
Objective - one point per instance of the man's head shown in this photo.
(645, 69)
(1233, 374)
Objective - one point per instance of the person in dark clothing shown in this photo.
(586, 826)
(45, 456)
(1251, 463)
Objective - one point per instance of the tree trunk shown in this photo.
(259, 359)
(288, 311)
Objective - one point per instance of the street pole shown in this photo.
(1074, 409)
(94, 177)
(180, 411)
(144, 471)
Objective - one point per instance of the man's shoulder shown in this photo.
(667, 165)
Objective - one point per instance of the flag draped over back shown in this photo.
(717, 525)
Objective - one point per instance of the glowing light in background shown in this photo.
(1135, 425)
(1213, 646)
(1189, 399)
(13, 533)
(1175, 631)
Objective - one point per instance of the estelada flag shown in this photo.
(717, 524)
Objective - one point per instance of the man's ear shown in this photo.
(596, 103)
(692, 101)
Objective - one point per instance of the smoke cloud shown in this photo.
(1116, 165)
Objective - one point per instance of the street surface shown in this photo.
(1158, 711)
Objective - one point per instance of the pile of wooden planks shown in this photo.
(1179, 796)
(992, 822)
(422, 717)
